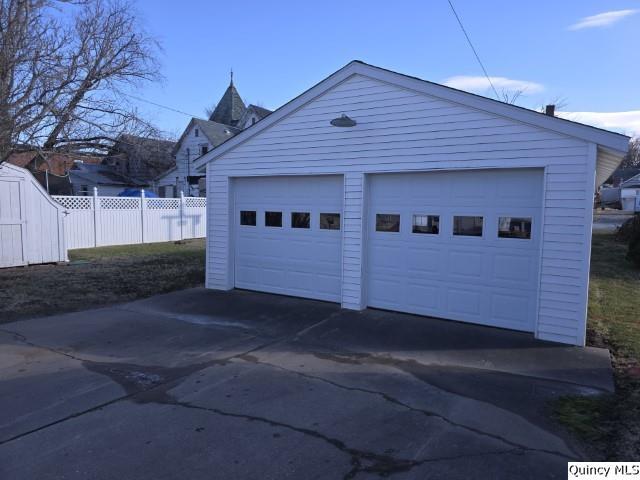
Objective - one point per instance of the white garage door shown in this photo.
(462, 246)
(288, 237)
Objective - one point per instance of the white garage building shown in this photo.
(423, 199)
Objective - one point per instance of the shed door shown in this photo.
(12, 222)
(456, 245)
(288, 235)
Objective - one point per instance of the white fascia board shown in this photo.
(614, 141)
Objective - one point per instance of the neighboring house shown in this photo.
(621, 174)
(228, 118)
(56, 163)
(252, 114)
(630, 194)
(51, 168)
(84, 177)
(198, 138)
(141, 158)
(422, 199)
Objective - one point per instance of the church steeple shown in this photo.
(230, 108)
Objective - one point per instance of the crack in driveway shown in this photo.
(362, 461)
(516, 446)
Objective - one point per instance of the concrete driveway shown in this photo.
(200, 384)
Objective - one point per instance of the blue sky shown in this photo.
(580, 51)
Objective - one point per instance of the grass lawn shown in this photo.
(611, 424)
(100, 276)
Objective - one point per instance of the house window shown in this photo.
(253, 120)
(204, 149)
(329, 221)
(386, 222)
(273, 219)
(426, 224)
(467, 226)
(300, 220)
(514, 227)
(248, 217)
(196, 132)
(84, 190)
(188, 154)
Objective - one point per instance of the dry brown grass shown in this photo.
(100, 276)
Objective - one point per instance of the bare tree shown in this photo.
(632, 158)
(511, 96)
(62, 84)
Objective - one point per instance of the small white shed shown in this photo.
(31, 222)
(421, 199)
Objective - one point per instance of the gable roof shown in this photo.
(215, 132)
(230, 108)
(632, 182)
(615, 144)
(261, 112)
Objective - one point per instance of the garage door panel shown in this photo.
(466, 303)
(292, 261)
(476, 279)
(465, 264)
(516, 268)
(511, 308)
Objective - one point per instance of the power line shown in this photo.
(162, 106)
(474, 50)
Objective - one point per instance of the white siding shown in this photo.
(403, 130)
(352, 245)
(189, 150)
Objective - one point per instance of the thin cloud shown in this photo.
(624, 122)
(602, 19)
(481, 84)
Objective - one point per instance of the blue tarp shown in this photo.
(136, 192)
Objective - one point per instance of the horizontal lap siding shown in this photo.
(219, 275)
(352, 248)
(401, 130)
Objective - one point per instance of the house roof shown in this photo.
(633, 182)
(56, 162)
(261, 112)
(21, 159)
(217, 133)
(101, 175)
(230, 108)
(611, 146)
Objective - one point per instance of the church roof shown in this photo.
(230, 108)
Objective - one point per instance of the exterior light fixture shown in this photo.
(343, 121)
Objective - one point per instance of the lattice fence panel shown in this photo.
(199, 202)
(163, 203)
(75, 203)
(119, 203)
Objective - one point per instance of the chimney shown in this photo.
(550, 110)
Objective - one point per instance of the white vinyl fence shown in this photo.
(98, 221)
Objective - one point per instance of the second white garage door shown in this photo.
(288, 235)
(456, 245)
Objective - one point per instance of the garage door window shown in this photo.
(514, 227)
(467, 226)
(386, 222)
(329, 221)
(429, 224)
(300, 219)
(248, 218)
(273, 219)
